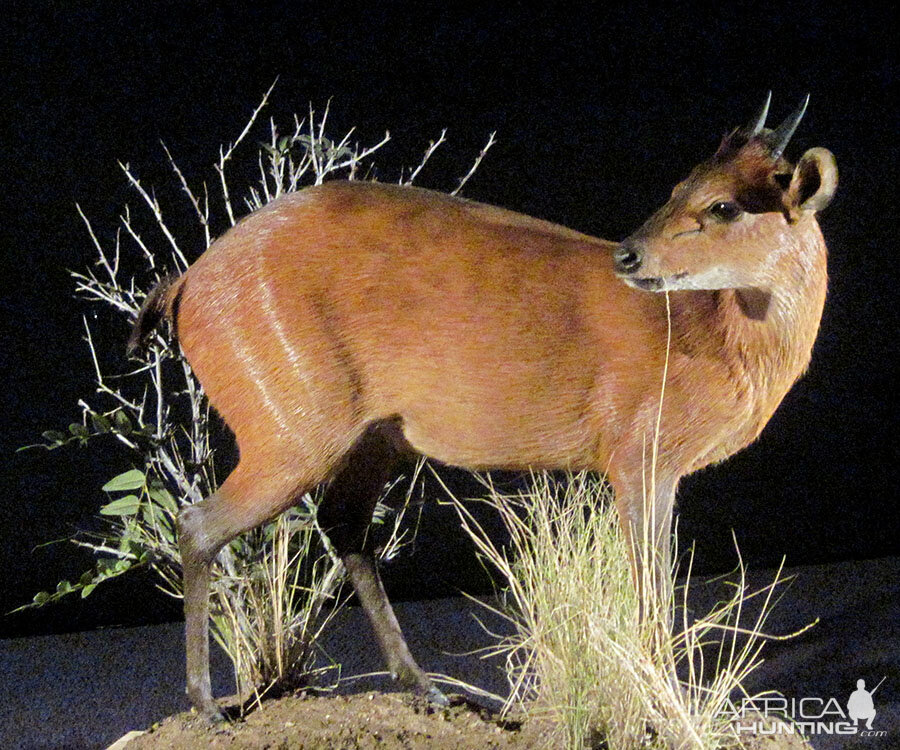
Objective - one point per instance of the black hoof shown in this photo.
(436, 697)
(213, 715)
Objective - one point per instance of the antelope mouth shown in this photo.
(655, 283)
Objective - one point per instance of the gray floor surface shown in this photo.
(85, 690)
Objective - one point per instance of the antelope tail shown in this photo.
(160, 304)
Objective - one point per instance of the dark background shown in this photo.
(598, 114)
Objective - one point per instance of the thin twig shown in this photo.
(366, 152)
(155, 208)
(491, 141)
(202, 215)
(432, 147)
(225, 154)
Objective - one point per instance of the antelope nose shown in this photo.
(628, 257)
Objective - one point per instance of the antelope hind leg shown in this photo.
(346, 514)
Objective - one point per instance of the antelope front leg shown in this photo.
(645, 513)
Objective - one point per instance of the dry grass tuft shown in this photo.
(581, 653)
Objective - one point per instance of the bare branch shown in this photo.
(113, 269)
(126, 222)
(432, 147)
(154, 206)
(477, 163)
(202, 215)
(356, 158)
(314, 159)
(225, 154)
(87, 329)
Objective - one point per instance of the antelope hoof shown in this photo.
(416, 680)
(436, 697)
(208, 710)
(213, 715)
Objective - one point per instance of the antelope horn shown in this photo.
(778, 139)
(758, 122)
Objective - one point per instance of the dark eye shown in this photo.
(725, 210)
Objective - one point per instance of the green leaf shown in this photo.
(166, 532)
(53, 436)
(238, 546)
(130, 480)
(36, 445)
(124, 506)
(151, 514)
(127, 546)
(162, 497)
(105, 568)
(101, 423)
(79, 430)
(85, 592)
(86, 578)
(123, 423)
(63, 587)
(41, 598)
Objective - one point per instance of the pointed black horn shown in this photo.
(779, 138)
(758, 122)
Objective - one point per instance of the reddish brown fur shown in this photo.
(487, 339)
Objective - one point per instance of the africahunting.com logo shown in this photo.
(807, 716)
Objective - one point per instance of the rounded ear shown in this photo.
(814, 180)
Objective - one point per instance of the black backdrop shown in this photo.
(598, 114)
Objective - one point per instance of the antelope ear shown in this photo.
(814, 180)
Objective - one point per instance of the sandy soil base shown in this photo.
(365, 721)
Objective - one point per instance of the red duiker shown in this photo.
(344, 325)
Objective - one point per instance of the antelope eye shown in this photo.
(725, 210)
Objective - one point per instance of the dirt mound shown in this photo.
(351, 722)
(366, 721)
